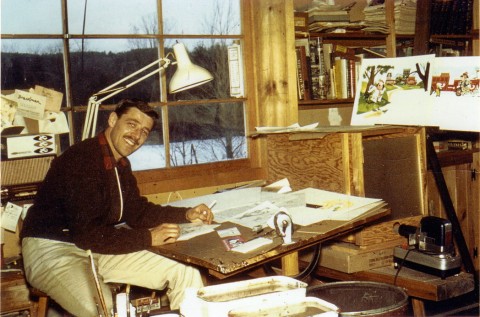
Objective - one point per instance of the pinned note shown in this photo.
(10, 216)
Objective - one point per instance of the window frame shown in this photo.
(170, 178)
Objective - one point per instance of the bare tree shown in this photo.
(149, 26)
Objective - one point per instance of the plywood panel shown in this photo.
(316, 163)
(392, 169)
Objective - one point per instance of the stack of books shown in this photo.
(326, 17)
(405, 15)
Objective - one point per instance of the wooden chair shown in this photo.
(40, 306)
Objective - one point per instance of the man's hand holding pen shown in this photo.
(169, 232)
(200, 213)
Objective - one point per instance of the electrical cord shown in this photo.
(307, 271)
(400, 267)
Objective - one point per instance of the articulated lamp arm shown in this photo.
(188, 75)
(94, 103)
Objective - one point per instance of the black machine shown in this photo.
(430, 247)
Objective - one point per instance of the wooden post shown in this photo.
(422, 27)
(391, 37)
(290, 264)
(274, 55)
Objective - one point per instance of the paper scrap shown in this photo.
(229, 232)
(10, 216)
(30, 105)
(54, 98)
(282, 186)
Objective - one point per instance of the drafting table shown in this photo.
(208, 251)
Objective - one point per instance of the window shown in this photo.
(106, 40)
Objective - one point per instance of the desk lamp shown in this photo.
(188, 75)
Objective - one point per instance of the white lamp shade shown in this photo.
(187, 75)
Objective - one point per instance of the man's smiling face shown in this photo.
(127, 133)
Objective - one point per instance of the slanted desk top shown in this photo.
(208, 251)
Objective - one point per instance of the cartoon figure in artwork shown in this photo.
(375, 93)
(464, 85)
(438, 88)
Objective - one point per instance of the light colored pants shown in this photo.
(63, 271)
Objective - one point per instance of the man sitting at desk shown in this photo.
(88, 191)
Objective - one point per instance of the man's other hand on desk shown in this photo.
(164, 234)
(201, 213)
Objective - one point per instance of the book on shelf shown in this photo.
(303, 73)
(456, 144)
(325, 70)
(341, 80)
(451, 17)
(300, 81)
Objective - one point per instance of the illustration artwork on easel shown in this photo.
(419, 90)
(456, 93)
(393, 91)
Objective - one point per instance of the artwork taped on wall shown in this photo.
(419, 90)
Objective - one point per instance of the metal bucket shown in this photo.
(363, 298)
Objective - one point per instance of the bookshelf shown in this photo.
(357, 42)
(360, 42)
(422, 42)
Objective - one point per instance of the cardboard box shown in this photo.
(28, 145)
(348, 258)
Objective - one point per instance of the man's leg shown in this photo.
(63, 272)
(150, 270)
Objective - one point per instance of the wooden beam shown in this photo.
(422, 27)
(275, 69)
(391, 37)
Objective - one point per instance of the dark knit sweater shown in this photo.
(79, 202)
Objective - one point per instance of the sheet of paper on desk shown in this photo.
(305, 216)
(225, 200)
(325, 205)
(287, 200)
(192, 230)
(235, 202)
(257, 215)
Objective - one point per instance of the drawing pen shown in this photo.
(313, 205)
(212, 204)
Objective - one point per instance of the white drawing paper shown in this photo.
(455, 92)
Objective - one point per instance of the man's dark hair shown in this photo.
(125, 104)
